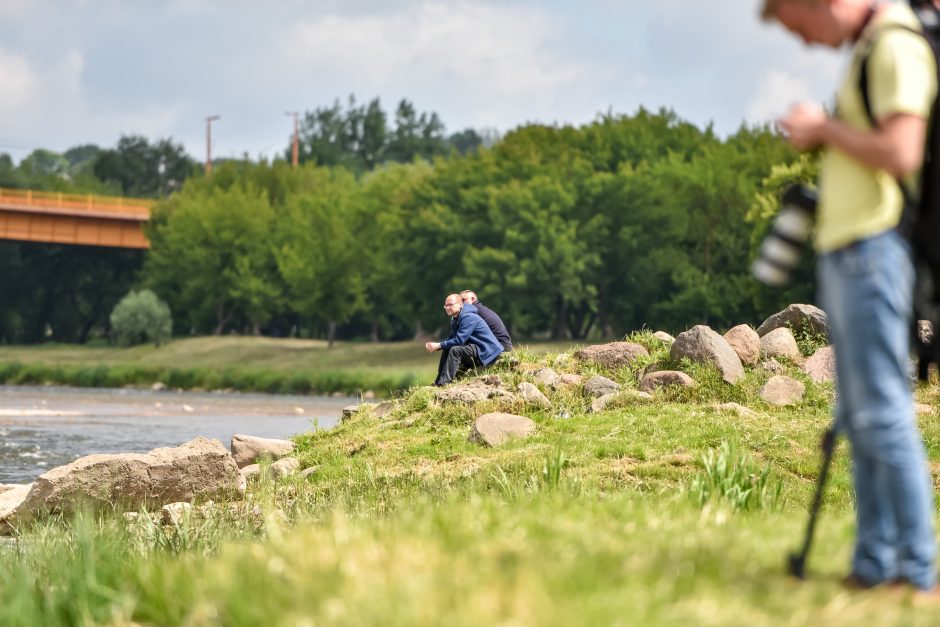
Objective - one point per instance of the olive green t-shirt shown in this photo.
(855, 201)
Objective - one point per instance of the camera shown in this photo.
(780, 251)
(929, 15)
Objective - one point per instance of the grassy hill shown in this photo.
(670, 511)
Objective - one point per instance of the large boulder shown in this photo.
(495, 429)
(781, 391)
(797, 317)
(665, 378)
(821, 367)
(201, 468)
(780, 343)
(11, 499)
(612, 356)
(746, 343)
(703, 345)
(248, 449)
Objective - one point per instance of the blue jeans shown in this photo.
(866, 290)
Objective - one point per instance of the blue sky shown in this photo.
(88, 71)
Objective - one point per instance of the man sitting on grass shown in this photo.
(490, 317)
(471, 343)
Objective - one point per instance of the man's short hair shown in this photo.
(464, 293)
(771, 7)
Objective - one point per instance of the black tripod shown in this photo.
(796, 563)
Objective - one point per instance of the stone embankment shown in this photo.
(595, 379)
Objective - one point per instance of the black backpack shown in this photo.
(920, 221)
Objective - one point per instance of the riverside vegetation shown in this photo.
(249, 364)
(665, 511)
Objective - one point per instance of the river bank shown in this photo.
(42, 427)
(247, 364)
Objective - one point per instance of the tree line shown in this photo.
(569, 232)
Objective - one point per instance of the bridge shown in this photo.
(82, 219)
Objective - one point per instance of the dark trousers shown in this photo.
(455, 361)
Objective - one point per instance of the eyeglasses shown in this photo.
(449, 305)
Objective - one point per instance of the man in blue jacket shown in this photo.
(471, 343)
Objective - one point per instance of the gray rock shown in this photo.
(613, 356)
(473, 391)
(740, 410)
(664, 378)
(797, 317)
(603, 402)
(285, 467)
(174, 513)
(598, 386)
(350, 410)
(533, 396)
(10, 500)
(248, 449)
(569, 380)
(600, 403)
(771, 366)
(546, 377)
(703, 345)
(385, 408)
(746, 343)
(781, 391)
(252, 471)
(158, 387)
(780, 343)
(821, 367)
(495, 429)
(664, 337)
(201, 468)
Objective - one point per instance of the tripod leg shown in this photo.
(796, 564)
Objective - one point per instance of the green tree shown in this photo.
(138, 168)
(211, 257)
(318, 253)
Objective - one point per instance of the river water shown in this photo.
(45, 427)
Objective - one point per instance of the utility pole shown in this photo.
(295, 145)
(209, 121)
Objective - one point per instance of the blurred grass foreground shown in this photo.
(673, 510)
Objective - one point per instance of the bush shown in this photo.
(141, 317)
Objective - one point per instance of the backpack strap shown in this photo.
(908, 214)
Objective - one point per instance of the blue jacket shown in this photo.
(471, 329)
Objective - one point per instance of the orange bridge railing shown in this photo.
(77, 204)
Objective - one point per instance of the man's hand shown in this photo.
(803, 125)
(432, 346)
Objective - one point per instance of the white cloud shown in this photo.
(777, 91)
(477, 55)
(19, 83)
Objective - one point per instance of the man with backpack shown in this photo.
(871, 166)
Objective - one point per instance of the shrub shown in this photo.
(141, 317)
